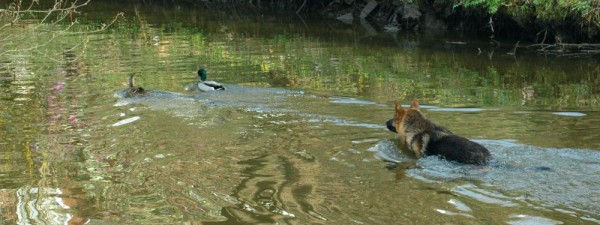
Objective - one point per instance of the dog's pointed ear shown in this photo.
(398, 106)
(414, 104)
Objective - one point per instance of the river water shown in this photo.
(298, 136)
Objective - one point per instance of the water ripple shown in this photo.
(555, 177)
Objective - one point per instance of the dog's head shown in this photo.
(396, 124)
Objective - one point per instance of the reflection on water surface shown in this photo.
(298, 136)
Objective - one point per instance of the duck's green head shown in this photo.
(202, 74)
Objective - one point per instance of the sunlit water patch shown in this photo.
(126, 121)
(456, 109)
(341, 122)
(251, 99)
(46, 205)
(152, 98)
(575, 114)
(519, 219)
(346, 100)
(429, 107)
(236, 96)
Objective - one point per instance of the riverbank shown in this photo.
(565, 22)
(533, 22)
(549, 22)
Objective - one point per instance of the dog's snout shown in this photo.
(390, 125)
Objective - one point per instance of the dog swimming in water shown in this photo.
(425, 138)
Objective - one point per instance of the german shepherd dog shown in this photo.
(424, 138)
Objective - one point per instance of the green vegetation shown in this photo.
(586, 11)
(565, 21)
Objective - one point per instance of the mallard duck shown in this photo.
(133, 91)
(203, 84)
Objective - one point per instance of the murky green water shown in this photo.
(298, 136)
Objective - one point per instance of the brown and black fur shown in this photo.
(423, 137)
(132, 90)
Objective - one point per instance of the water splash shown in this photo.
(519, 173)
